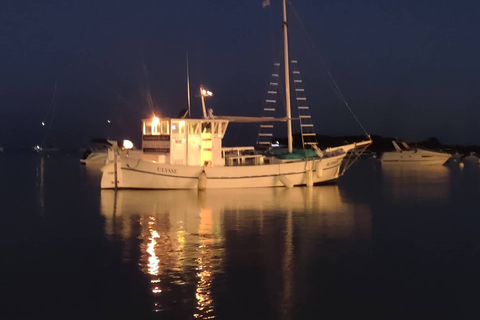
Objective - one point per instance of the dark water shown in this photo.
(383, 243)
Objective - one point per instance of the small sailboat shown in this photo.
(405, 154)
(47, 123)
(186, 153)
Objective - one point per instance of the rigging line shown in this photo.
(272, 38)
(339, 93)
(51, 103)
(52, 108)
(150, 103)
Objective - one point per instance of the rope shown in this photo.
(338, 92)
(52, 109)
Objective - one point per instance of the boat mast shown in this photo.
(287, 79)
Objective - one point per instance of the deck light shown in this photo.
(205, 93)
(127, 144)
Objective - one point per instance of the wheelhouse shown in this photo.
(185, 141)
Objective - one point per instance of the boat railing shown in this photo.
(230, 151)
(238, 156)
(249, 159)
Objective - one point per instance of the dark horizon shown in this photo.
(407, 69)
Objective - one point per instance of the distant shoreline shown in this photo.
(380, 144)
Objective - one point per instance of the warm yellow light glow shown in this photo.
(127, 144)
(153, 261)
(207, 93)
(155, 122)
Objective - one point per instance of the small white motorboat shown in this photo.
(471, 159)
(97, 154)
(414, 155)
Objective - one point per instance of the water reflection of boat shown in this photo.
(188, 237)
(416, 182)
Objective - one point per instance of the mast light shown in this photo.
(207, 93)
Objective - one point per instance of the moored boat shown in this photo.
(97, 154)
(414, 155)
(185, 153)
(472, 158)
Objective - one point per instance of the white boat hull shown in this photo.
(95, 158)
(416, 157)
(146, 174)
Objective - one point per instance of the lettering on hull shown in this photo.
(166, 170)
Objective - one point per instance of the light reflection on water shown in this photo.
(40, 182)
(186, 237)
(416, 182)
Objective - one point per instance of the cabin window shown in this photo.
(164, 127)
(207, 127)
(178, 127)
(175, 127)
(182, 127)
(194, 128)
(147, 128)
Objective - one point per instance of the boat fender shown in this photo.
(202, 181)
(309, 177)
(318, 169)
(286, 182)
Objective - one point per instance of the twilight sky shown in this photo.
(408, 69)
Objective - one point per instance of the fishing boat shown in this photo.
(187, 153)
(405, 154)
(39, 149)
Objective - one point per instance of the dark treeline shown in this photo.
(381, 144)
